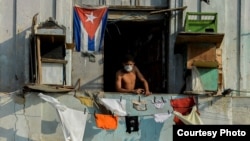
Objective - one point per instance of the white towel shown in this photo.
(73, 121)
(193, 118)
(162, 117)
(115, 106)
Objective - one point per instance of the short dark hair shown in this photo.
(128, 57)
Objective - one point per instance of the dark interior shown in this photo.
(52, 46)
(145, 41)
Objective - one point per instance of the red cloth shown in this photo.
(182, 105)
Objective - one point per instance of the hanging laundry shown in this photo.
(87, 101)
(107, 122)
(116, 106)
(162, 117)
(96, 96)
(139, 105)
(132, 124)
(182, 105)
(73, 121)
(197, 85)
(193, 118)
(159, 104)
(89, 27)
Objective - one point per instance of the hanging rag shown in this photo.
(73, 121)
(116, 106)
(193, 118)
(139, 105)
(162, 117)
(107, 122)
(132, 124)
(96, 96)
(87, 101)
(158, 103)
(197, 85)
(182, 105)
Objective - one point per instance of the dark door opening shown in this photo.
(146, 41)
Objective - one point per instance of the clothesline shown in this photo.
(145, 115)
(9, 94)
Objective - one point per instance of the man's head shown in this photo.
(128, 62)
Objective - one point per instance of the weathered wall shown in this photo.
(89, 73)
(37, 120)
(234, 45)
(243, 45)
(15, 38)
(16, 19)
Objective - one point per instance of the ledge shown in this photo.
(191, 37)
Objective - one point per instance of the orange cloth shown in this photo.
(108, 122)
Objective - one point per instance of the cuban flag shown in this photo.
(89, 28)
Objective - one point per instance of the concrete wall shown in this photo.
(36, 119)
(89, 73)
(14, 40)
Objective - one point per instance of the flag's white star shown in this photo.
(91, 17)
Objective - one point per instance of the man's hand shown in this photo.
(147, 93)
(142, 91)
(138, 91)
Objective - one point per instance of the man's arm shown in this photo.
(143, 80)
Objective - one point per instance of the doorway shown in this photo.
(145, 40)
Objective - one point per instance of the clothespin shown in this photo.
(120, 98)
(154, 99)
(95, 113)
(84, 110)
(163, 100)
(75, 93)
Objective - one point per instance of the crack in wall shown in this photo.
(19, 117)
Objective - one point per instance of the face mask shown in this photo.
(128, 68)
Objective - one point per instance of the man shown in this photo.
(126, 78)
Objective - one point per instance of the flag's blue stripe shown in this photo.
(104, 23)
(91, 44)
(77, 31)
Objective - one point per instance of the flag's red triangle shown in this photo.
(90, 18)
